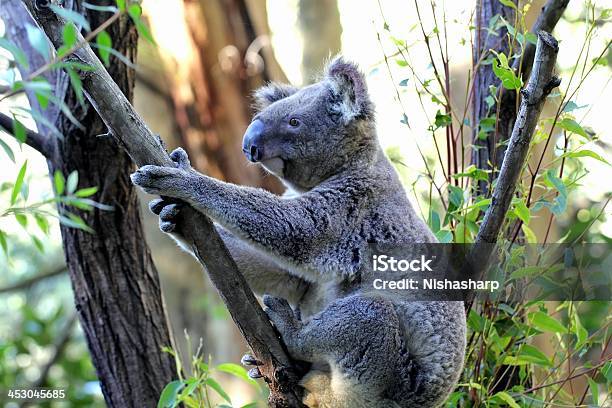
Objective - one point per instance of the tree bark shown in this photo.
(541, 82)
(493, 148)
(132, 134)
(116, 287)
(484, 153)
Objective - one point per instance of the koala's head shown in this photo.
(307, 135)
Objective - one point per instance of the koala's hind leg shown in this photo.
(357, 337)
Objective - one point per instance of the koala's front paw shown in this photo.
(168, 181)
(286, 321)
(168, 210)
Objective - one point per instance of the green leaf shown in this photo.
(434, 221)
(168, 399)
(18, 54)
(7, 149)
(508, 3)
(42, 223)
(546, 323)
(21, 219)
(237, 371)
(69, 35)
(571, 105)
(135, 11)
(121, 5)
(72, 16)
(215, 386)
(507, 398)
(560, 203)
(526, 271)
(18, 182)
(455, 196)
(475, 321)
(77, 85)
(38, 243)
(571, 126)
(105, 43)
(442, 120)
(587, 153)
(86, 192)
(581, 333)
(251, 405)
(530, 236)
(72, 182)
(401, 62)
(108, 9)
(521, 211)
(59, 182)
(37, 40)
(19, 130)
(444, 236)
(594, 391)
(3, 243)
(606, 371)
(74, 221)
(502, 70)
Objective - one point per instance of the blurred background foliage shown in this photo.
(193, 87)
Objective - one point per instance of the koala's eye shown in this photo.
(294, 122)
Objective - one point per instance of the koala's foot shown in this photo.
(249, 360)
(166, 181)
(286, 321)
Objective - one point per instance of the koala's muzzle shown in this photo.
(252, 143)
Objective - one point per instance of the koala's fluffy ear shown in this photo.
(272, 92)
(350, 99)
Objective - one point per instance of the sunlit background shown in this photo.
(369, 34)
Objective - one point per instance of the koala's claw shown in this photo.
(179, 156)
(281, 314)
(168, 210)
(249, 360)
(157, 205)
(254, 373)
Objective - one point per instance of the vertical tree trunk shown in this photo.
(116, 287)
(486, 155)
(322, 34)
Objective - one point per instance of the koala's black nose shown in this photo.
(252, 145)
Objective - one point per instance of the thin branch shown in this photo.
(29, 282)
(33, 139)
(132, 134)
(547, 20)
(541, 82)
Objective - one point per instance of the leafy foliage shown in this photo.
(198, 388)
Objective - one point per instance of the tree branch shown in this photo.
(33, 139)
(144, 147)
(541, 82)
(26, 283)
(547, 20)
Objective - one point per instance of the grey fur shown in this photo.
(366, 349)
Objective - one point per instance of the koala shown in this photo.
(304, 249)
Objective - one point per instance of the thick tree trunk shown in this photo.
(485, 155)
(116, 287)
(321, 33)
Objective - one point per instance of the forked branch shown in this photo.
(541, 82)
